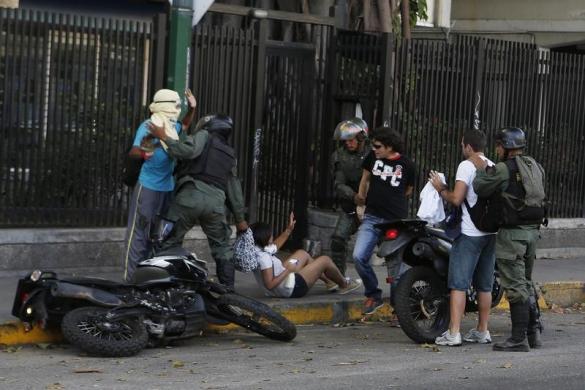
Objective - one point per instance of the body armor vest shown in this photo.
(213, 166)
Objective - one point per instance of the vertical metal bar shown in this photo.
(159, 35)
(260, 71)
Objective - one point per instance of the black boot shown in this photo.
(518, 341)
(534, 324)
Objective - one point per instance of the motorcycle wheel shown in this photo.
(471, 304)
(87, 328)
(422, 304)
(255, 316)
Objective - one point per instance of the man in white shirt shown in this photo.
(472, 256)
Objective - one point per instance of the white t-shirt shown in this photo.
(466, 173)
(265, 261)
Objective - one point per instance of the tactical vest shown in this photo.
(213, 166)
(515, 211)
(351, 166)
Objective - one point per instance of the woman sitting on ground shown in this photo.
(299, 272)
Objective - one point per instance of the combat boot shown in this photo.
(534, 324)
(518, 342)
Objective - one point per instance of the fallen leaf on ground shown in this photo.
(43, 345)
(55, 386)
(178, 364)
(87, 370)
(506, 365)
(557, 309)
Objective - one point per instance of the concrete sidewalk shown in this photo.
(562, 281)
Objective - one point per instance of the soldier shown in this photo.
(520, 181)
(206, 182)
(346, 164)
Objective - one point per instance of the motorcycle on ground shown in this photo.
(421, 297)
(171, 298)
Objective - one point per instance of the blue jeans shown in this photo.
(367, 238)
(472, 259)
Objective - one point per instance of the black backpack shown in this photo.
(130, 168)
(488, 213)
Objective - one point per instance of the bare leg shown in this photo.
(457, 306)
(304, 258)
(484, 307)
(322, 264)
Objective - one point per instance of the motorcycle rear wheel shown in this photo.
(422, 304)
(87, 328)
(255, 316)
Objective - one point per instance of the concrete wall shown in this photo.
(103, 249)
(542, 22)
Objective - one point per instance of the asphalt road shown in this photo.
(358, 356)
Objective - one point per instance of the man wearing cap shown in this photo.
(346, 165)
(155, 183)
(206, 182)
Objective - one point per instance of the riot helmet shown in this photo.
(215, 123)
(511, 138)
(350, 129)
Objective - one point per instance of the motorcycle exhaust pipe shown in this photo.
(423, 250)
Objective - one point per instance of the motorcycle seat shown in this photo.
(89, 281)
(439, 233)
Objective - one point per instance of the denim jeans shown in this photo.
(367, 238)
(472, 259)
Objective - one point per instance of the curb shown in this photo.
(350, 310)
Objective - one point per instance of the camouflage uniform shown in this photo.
(515, 245)
(199, 202)
(347, 172)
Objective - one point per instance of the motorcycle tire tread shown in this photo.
(288, 329)
(98, 346)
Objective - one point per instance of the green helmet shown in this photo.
(511, 138)
(349, 129)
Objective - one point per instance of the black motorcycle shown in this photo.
(171, 298)
(421, 297)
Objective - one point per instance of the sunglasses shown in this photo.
(377, 146)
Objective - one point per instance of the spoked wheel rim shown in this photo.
(424, 305)
(98, 327)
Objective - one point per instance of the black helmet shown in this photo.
(511, 138)
(214, 122)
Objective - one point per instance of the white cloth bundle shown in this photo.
(431, 205)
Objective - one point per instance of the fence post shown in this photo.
(159, 39)
(260, 73)
(179, 44)
(387, 74)
(479, 67)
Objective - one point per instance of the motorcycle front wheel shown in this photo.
(255, 316)
(422, 304)
(87, 328)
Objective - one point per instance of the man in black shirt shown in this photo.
(387, 179)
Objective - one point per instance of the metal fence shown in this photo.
(74, 88)
(72, 91)
(431, 91)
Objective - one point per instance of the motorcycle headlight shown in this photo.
(36, 275)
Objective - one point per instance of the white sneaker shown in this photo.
(451, 340)
(475, 336)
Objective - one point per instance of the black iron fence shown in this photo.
(74, 88)
(72, 91)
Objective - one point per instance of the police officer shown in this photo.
(346, 164)
(516, 239)
(206, 182)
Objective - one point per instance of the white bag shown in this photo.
(431, 205)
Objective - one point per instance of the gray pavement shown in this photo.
(545, 271)
(361, 356)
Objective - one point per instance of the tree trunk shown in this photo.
(385, 15)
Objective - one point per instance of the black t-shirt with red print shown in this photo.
(388, 183)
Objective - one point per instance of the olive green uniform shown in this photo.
(515, 246)
(347, 173)
(198, 202)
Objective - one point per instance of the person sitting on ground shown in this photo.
(299, 272)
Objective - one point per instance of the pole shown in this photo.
(179, 45)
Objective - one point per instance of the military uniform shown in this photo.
(347, 172)
(198, 201)
(515, 246)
